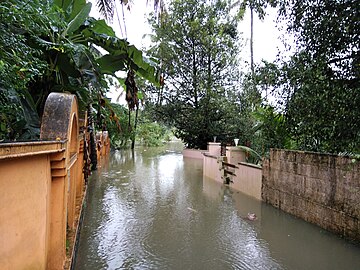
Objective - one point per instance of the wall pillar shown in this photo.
(60, 122)
(58, 201)
(235, 155)
(214, 148)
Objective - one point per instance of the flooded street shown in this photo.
(152, 209)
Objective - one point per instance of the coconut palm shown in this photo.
(107, 8)
(259, 7)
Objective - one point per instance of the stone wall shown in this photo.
(319, 188)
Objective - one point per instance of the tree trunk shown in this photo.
(135, 124)
(194, 74)
(93, 148)
(252, 41)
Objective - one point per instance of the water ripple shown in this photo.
(153, 210)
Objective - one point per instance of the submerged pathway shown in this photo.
(152, 209)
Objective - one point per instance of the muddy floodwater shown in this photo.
(152, 209)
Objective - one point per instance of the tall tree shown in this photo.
(196, 42)
(257, 6)
(320, 85)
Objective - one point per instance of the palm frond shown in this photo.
(106, 9)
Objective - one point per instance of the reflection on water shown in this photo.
(152, 209)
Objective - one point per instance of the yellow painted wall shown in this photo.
(24, 208)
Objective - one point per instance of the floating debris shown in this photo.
(192, 210)
(251, 216)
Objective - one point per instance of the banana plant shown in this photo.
(255, 156)
(83, 30)
(63, 37)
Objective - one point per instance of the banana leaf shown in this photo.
(78, 20)
(253, 153)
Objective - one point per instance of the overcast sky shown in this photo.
(265, 32)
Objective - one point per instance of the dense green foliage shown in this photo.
(115, 119)
(152, 133)
(48, 46)
(19, 64)
(319, 88)
(196, 42)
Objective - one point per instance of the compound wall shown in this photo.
(319, 188)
